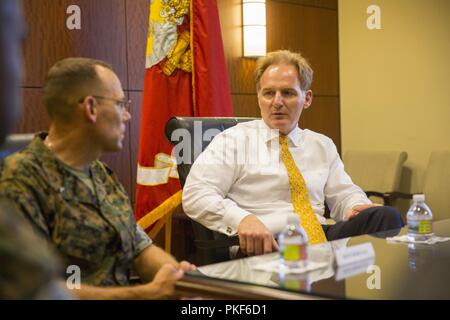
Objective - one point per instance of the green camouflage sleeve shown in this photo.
(141, 241)
(24, 198)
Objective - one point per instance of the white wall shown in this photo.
(395, 82)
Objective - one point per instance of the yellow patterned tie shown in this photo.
(300, 200)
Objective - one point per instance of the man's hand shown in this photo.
(163, 285)
(350, 214)
(254, 237)
(186, 266)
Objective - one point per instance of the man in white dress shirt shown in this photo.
(240, 185)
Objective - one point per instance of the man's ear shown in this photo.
(89, 109)
(308, 99)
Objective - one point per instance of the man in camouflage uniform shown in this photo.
(74, 199)
(28, 268)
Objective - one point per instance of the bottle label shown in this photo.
(294, 252)
(424, 226)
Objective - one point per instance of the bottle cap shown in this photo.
(419, 197)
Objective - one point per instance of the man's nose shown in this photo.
(126, 116)
(278, 99)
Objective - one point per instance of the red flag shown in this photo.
(185, 76)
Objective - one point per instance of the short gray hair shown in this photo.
(66, 81)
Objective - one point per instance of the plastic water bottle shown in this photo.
(293, 243)
(420, 219)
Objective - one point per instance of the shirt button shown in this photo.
(229, 230)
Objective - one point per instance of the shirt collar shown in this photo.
(51, 165)
(294, 136)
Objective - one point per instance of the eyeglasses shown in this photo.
(123, 104)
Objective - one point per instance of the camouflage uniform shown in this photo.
(95, 231)
(27, 264)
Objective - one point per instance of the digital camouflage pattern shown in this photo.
(27, 264)
(95, 231)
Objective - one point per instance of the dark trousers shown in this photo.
(372, 220)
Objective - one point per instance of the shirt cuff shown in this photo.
(233, 216)
(355, 203)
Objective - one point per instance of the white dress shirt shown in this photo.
(241, 173)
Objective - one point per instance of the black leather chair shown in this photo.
(14, 143)
(211, 246)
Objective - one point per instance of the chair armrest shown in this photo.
(389, 197)
(401, 195)
(386, 196)
(375, 194)
(217, 243)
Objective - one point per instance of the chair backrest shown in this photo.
(14, 143)
(375, 170)
(211, 246)
(437, 184)
(197, 127)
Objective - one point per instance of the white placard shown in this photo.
(353, 269)
(353, 254)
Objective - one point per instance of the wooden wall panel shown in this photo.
(137, 29)
(135, 125)
(119, 162)
(240, 70)
(246, 105)
(102, 35)
(311, 31)
(34, 116)
(328, 4)
(324, 117)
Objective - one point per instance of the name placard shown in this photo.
(352, 269)
(354, 254)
